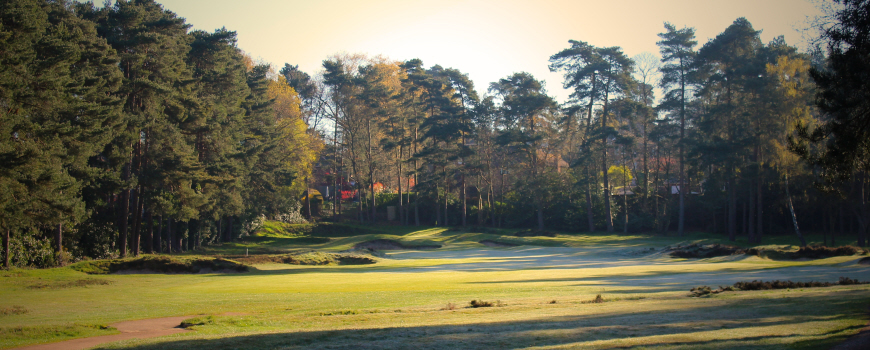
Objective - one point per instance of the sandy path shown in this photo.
(148, 328)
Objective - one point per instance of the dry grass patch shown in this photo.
(69, 284)
(13, 310)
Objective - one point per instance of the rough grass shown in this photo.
(160, 264)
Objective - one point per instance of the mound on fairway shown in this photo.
(388, 244)
(160, 264)
(310, 258)
(535, 233)
(497, 244)
(705, 251)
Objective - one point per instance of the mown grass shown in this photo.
(400, 299)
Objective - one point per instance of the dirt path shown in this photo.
(149, 328)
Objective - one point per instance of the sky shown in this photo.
(488, 40)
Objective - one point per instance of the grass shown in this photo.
(400, 299)
(12, 336)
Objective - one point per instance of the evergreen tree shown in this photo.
(677, 49)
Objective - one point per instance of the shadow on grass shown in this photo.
(758, 324)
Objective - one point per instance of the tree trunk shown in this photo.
(399, 183)
(464, 207)
(230, 228)
(308, 199)
(751, 215)
(125, 212)
(861, 211)
(446, 197)
(58, 241)
(842, 227)
(149, 237)
(797, 230)
(589, 215)
(137, 221)
(6, 258)
(159, 236)
(416, 193)
(732, 210)
(178, 242)
(682, 209)
(170, 235)
(758, 203)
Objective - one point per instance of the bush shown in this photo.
(197, 321)
(820, 252)
(481, 303)
(694, 251)
(770, 285)
(30, 250)
(597, 300)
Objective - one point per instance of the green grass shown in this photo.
(401, 298)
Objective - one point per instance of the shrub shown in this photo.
(197, 321)
(30, 250)
(481, 303)
(769, 285)
(705, 251)
(820, 252)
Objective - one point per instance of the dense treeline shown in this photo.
(716, 153)
(127, 132)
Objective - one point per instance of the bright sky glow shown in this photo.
(488, 40)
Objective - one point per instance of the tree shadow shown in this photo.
(681, 328)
